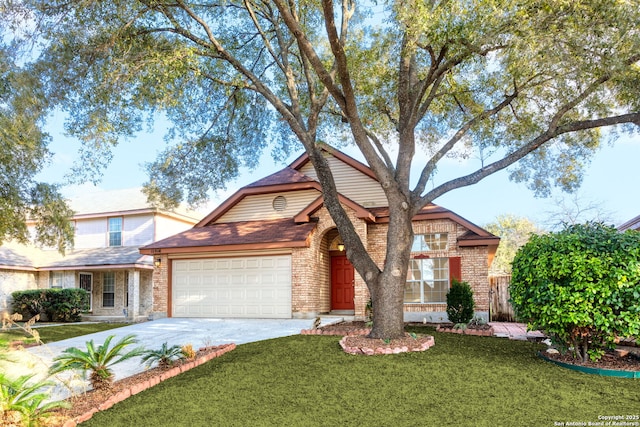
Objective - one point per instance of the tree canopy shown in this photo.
(514, 232)
(23, 152)
(521, 83)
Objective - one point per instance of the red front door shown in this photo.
(342, 281)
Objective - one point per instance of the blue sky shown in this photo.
(612, 180)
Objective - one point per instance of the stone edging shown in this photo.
(468, 331)
(137, 388)
(429, 341)
(335, 331)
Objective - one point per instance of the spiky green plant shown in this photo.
(164, 357)
(98, 361)
(23, 400)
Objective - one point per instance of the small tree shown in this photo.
(580, 285)
(164, 357)
(460, 303)
(98, 360)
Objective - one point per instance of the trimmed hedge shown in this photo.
(460, 304)
(58, 305)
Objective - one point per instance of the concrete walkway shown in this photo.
(514, 331)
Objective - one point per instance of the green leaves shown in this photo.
(580, 282)
(97, 360)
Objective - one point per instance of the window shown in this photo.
(109, 289)
(429, 242)
(427, 281)
(55, 279)
(115, 231)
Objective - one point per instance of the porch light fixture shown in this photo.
(341, 246)
(157, 262)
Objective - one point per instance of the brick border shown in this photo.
(141, 386)
(468, 331)
(336, 331)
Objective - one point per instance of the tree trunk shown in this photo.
(387, 290)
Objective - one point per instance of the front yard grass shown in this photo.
(310, 381)
(54, 333)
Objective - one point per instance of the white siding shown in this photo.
(137, 230)
(352, 183)
(91, 233)
(260, 207)
(166, 227)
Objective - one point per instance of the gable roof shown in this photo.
(209, 235)
(128, 201)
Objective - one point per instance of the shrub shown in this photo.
(66, 305)
(25, 402)
(460, 303)
(581, 286)
(29, 303)
(58, 305)
(164, 357)
(98, 360)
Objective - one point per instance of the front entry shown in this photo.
(342, 283)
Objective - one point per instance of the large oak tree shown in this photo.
(522, 83)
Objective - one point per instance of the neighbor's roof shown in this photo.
(632, 224)
(110, 202)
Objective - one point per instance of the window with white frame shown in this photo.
(429, 242)
(55, 279)
(108, 289)
(427, 281)
(115, 231)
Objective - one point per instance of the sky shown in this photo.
(611, 182)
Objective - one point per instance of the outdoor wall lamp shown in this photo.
(341, 246)
(157, 262)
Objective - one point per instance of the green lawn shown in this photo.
(55, 333)
(309, 381)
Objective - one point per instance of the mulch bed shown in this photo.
(608, 361)
(84, 405)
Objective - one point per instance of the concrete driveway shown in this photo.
(151, 335)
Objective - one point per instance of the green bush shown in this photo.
(66, 305)
(29, 303)
(460, 302)
(59, 305)
(581, 286)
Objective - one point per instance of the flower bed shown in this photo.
(96, 401)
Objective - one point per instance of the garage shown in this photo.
(244, 287)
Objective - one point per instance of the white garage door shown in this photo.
(257, 287)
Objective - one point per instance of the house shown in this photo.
(632, 224)
(272, 251)
(110, 226)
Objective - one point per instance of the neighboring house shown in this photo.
(632, 224)
(110, 226)
(272, 251)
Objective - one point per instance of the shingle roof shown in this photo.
(284, 176)
(101, 202)
(278, 231)
(109, 256)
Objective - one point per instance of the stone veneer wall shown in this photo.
(11, 281)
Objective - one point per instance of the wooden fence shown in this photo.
(500, 309)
